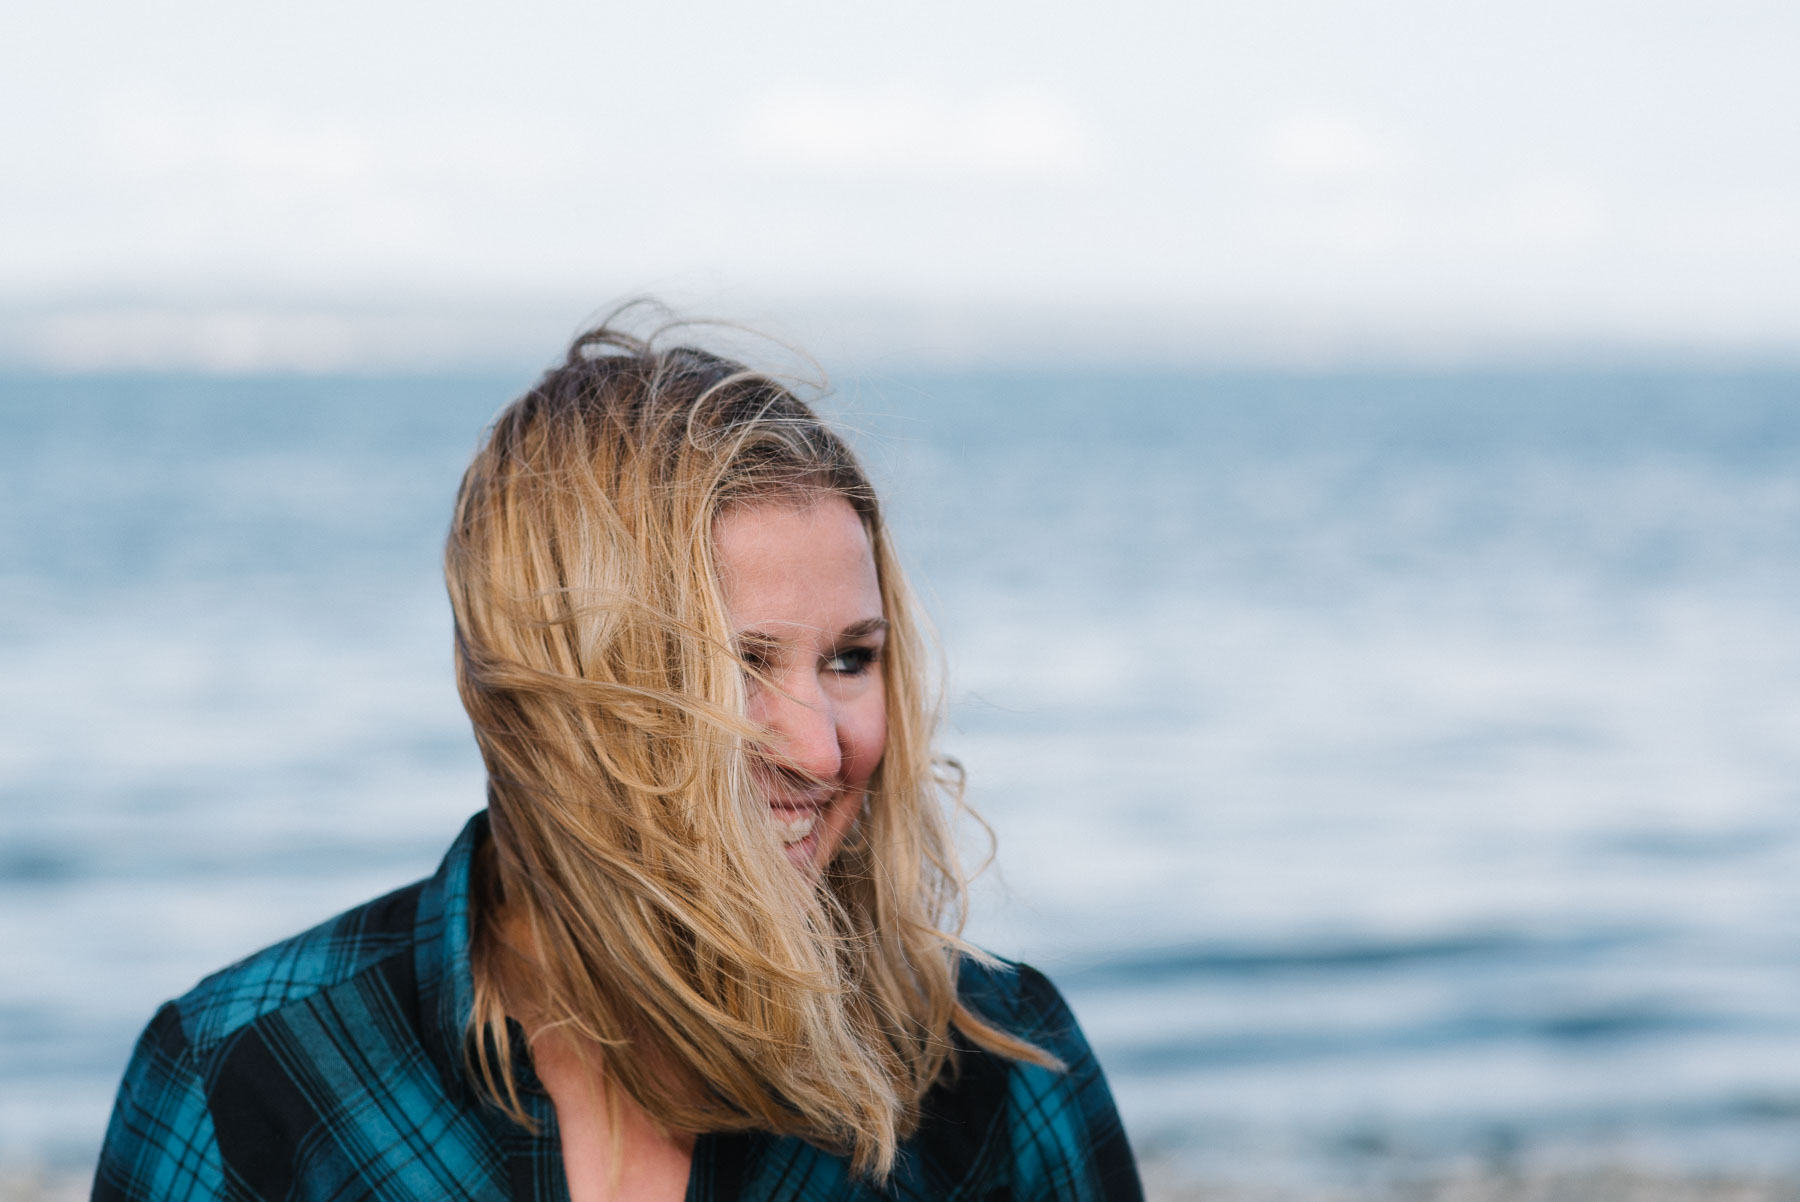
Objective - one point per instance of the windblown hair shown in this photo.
(663, 931)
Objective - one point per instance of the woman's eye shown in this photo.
(852, 661)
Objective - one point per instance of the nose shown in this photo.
(803, 724)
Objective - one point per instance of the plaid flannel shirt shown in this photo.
(331, 1066)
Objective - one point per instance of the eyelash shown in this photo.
(856, 659)
(851, 661)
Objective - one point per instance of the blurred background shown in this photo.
(1349, 451)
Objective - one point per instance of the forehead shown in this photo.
(805, 563)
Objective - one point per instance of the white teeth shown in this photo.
(792, 830)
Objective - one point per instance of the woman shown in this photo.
(698, 943)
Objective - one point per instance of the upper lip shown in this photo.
(785, 791)
(796, 797)
(799, 804)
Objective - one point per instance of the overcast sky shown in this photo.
(252, 184)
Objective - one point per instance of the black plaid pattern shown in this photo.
(331, 1067)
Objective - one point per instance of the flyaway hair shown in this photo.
(652, 916)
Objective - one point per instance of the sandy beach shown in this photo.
(1610, 1185)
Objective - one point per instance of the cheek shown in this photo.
(862, 730)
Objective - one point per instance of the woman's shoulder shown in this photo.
(1042, 1130)
(297, 969)
(231, 1079)
(1015, 997)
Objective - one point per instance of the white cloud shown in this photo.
(1554, 210)
(1327, 148)
(1411, 159)
(147, 137)
(906, 131)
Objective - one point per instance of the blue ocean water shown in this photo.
(1394, 769)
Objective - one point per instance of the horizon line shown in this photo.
(398, 337)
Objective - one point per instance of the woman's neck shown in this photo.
(612, 1149)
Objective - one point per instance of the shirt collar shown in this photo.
(722, 1164)
(441, 956)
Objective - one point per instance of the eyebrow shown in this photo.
(761, 640)
(864, 628)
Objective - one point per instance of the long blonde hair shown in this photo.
(712, 983)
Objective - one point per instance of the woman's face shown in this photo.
(805, 605)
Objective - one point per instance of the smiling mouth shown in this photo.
(794, 827)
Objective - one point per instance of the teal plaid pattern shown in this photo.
(331, 1066)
